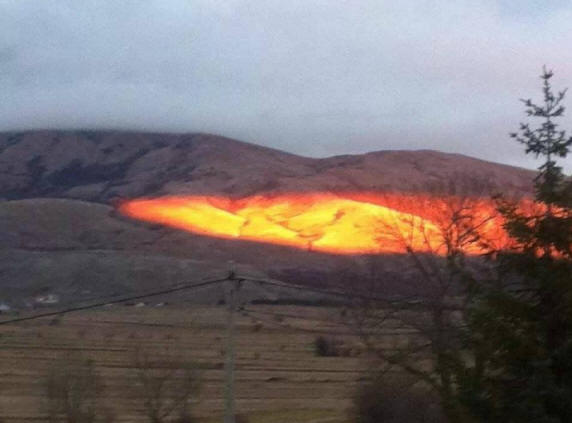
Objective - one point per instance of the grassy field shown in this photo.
(278, 376)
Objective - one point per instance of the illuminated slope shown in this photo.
(318, 222)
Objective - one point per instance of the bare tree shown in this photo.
(394, 401)
(73, 389)
(437, 231)
(167, 387)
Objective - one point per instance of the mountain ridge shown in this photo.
(102, 166)
(60, 232)
(97, 132)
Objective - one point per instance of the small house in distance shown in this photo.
(48, 299)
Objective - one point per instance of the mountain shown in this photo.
(61, 234)
(102, 166)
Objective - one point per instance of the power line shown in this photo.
(291, 316)
(235, 282)
(269, 282)
(117, 301)
(387, 332)
(110, 297)
(254, 314)
(336, 293)
(412, 300)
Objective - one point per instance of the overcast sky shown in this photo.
(313, 77)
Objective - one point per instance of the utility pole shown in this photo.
(233, 285)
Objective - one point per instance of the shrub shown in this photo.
(186, 418)
(382, 401)
(326, 347)
(72, 390)
(241, 418)
(167, 387)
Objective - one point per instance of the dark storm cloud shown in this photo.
(315, 77)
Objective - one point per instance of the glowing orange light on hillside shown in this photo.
(341, 224)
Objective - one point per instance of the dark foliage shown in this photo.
(73, 388)
(326, 347)
(383, 401)
(520, 326)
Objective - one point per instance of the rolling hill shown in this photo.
(60, 231)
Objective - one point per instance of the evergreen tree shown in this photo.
(520, 325)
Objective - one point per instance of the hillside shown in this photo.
(102, 166)
(60, 232)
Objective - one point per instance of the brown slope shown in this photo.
(76, 250)
(101, 166)
(50, 243)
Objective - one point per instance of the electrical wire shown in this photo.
(157, 293)
(183, 287)
(411, 301)
(333, 292)
(394, 332)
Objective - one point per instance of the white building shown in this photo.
(48, 299)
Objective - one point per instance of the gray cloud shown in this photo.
(315, 77)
